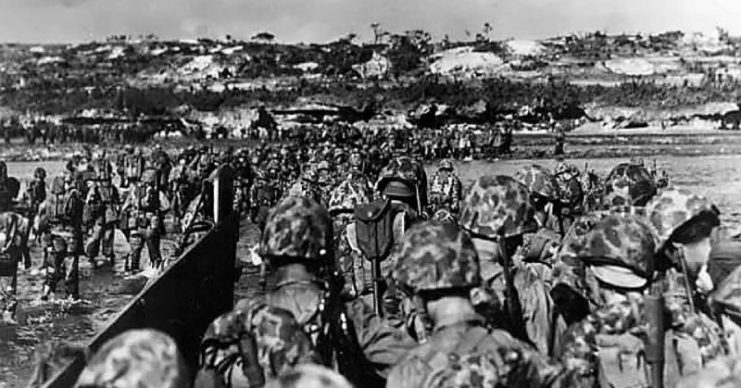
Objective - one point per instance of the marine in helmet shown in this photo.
(629, 184)
(307, 186)
(59, 222)
(36, 190)
(619, 265)
(144, 207)
(297, 243)
(101, 211)
(497, 212)
(445, 189)
(144, 358)
(438, 267)
(14, 230)
(544, 195)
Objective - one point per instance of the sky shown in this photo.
(67, 21)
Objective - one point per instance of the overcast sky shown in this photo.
(324, 20)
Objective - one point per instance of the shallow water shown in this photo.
(718, 177)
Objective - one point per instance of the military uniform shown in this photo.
(14, 229)
(608, 343)
(495, 209)
(445, 189)
(59, 222)
(299, 230)
(144, 209)
(461, 352)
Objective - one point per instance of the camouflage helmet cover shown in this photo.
(629, 184)
(346, 196)
(446, 164)
(435, 256)
(623, 241)
(539, 181)
(297, 228)
(569, 186)
(136, 358)
(497, 204)
(673, 208)
(402, 169)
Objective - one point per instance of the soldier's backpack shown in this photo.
(37, 191)
(56, 210)
(133, 166)
(103, 170)
(374, 228)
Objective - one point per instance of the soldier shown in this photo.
(59, 223)
(629, 184)
(102, 212)
(14, 230)
(445, 190)
(497, 212)
(298, 244)
(545, 196)
(143, 358)
(619, 264)
(438, 266)
(572, 196)
(262, 196)
(265, 341)
(307, 186)
(133, 165)
(9, 184)
(560, 140)
(344, 199)
(357, 173)
(144, 206)
(36, 190)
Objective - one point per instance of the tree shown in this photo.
(264, 37)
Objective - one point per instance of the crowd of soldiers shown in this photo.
(545, 278)
(76, 214)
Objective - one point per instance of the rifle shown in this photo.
(654, 310)
(512, 298)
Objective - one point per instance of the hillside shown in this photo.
(626, 80)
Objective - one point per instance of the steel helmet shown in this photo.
(497, 204)
(539, 181)
(356, 160)
(136, 358)
(674, 208)
(346, 196)
(629, 184)
(569, 186)
(297, 228)
(446, 164)
(407, 172)
(436, 256)
(39, 173)
(620, 250)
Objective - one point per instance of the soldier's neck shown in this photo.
(450, 310)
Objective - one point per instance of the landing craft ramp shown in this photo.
(195, 289)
